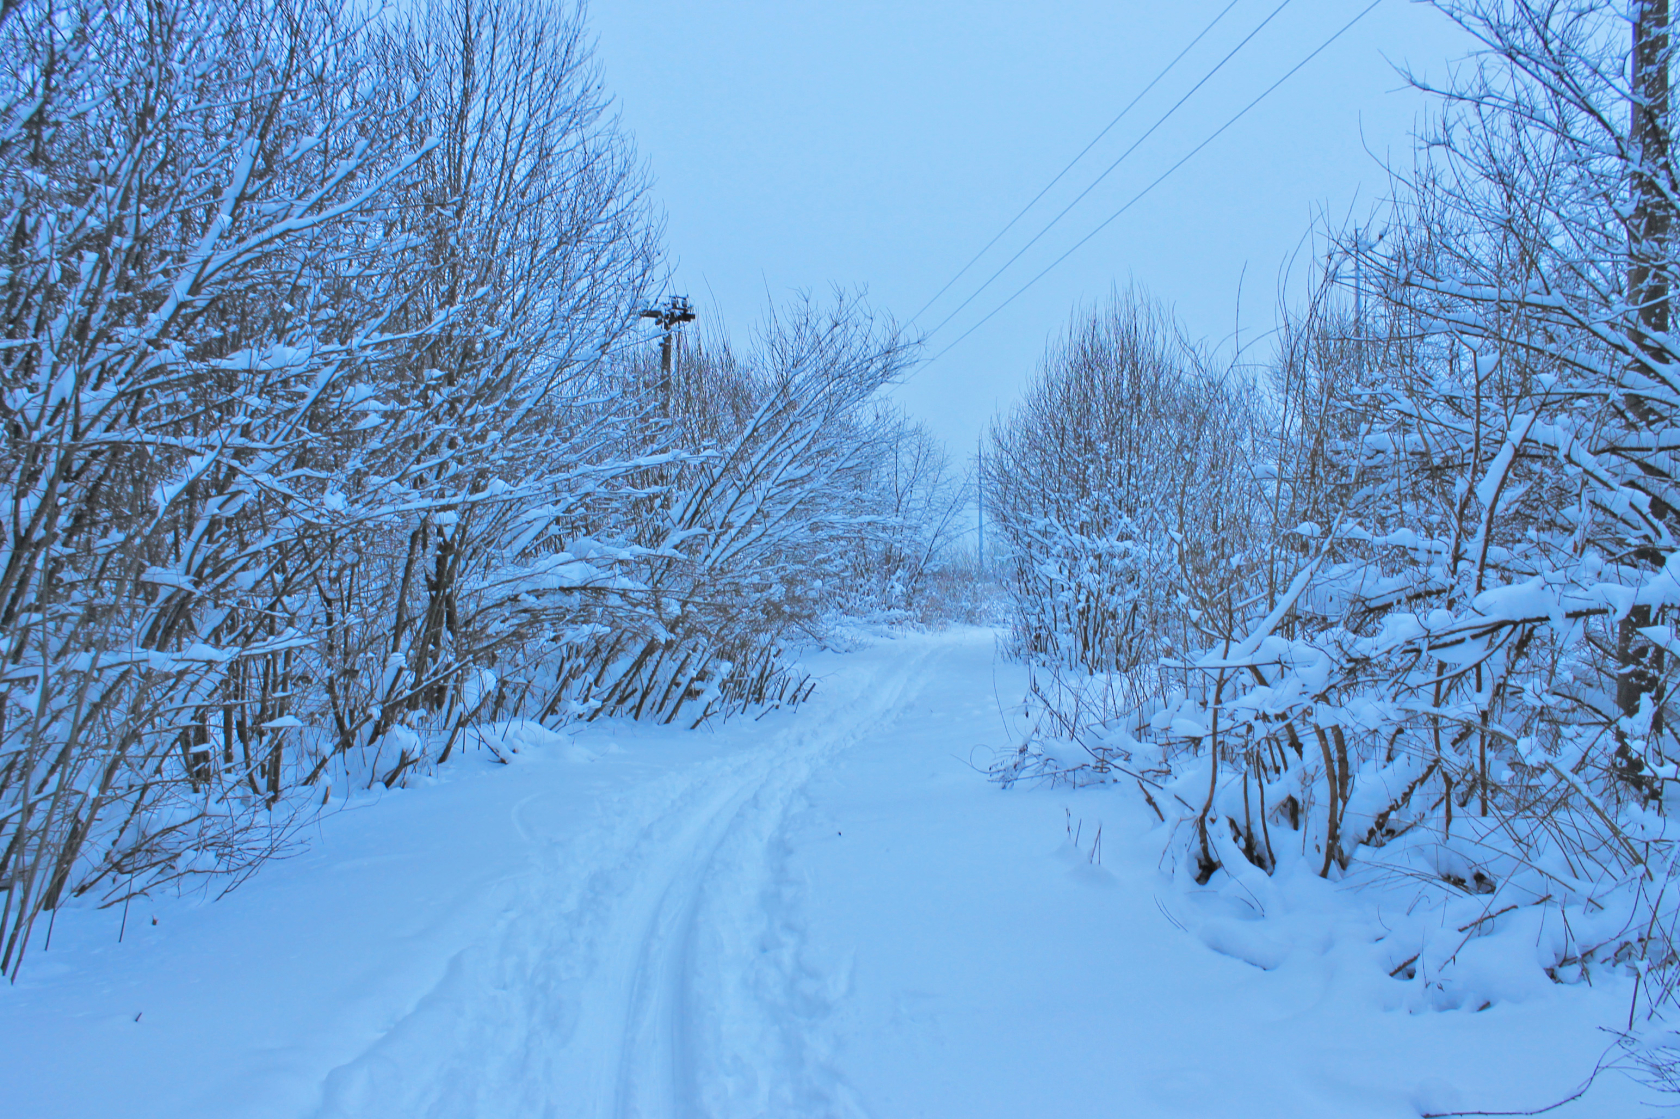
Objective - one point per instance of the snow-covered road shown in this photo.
(827, 912)
(613, 984)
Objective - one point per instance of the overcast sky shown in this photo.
(798, 145)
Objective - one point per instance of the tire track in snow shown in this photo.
(655, 1069)
(657, 1072)
(515, 1024)
(579, 1000)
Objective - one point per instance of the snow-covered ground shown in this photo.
(827, 912)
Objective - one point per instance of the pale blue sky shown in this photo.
(799, 144)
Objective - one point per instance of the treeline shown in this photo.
(1405, 596)
(329, 430)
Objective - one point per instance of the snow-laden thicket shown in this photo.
(1429, 643)
(1125, 462)
(325, 436)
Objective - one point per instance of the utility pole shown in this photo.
(1653, 214)
(980, 502)
(1358, 283)
(675, 312)
(1638, 661)
(1358, 302)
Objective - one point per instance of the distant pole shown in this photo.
(675, 312)
(1358, 300)
(1358, 283)
(980, 500)
(1650, 241)
(1359, 291)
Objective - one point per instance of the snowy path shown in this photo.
(823, 913)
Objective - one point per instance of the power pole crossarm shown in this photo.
(675, 312)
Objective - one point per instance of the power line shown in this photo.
(1139, 195)
(1135, 143)
(1082, 152)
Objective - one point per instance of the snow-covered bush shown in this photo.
(1451, 662)
(304, 314)
(1122, 476)
(915, 501)
(746, 546)
(323, 442)
(180, 198)
(488, 453)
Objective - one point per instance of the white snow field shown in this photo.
(826, 912)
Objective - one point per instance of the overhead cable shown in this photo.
(1140, 194)
(1109, 127)
(1164, 117)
